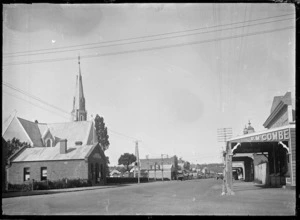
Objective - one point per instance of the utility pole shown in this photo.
(147, 157)
(162, 169)
(223, 135)
(138, 158)
(155, 171)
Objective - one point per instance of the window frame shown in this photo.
(26, 171)
(42, 177)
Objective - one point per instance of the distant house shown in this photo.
(156, 167)
(86, 162)
(115, 173)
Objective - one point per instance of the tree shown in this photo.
(14, 145)
(187, 165)
(101, 132)
(127, 159)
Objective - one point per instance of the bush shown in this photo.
(20, 187)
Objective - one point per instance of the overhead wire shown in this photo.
(155, 35)
(38, 99)
(34, 104)
(32, 96)
(148, 49)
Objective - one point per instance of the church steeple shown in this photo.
(79, 113)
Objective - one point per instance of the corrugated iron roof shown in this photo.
(53, 153)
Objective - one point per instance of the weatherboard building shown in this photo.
(275, 146)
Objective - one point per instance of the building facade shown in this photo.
(159, 168)
(277, 144)
(67, 150)
(86, 162)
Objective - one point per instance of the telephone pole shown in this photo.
(147, 157)
(137, 158)
(225, 134)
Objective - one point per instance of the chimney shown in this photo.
(63, 146)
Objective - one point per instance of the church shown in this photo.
(67, 150)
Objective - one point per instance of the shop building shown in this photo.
(276, 144)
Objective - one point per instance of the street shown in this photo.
(192, 197)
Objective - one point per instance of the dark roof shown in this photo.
(278, 103)
(32, 130)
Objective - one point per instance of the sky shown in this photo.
(168, 75)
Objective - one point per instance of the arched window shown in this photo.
(48, 143)
(81, 117)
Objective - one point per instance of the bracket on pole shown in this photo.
(286, 147)
(234, 148)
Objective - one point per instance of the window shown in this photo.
(43, 173)
(48, 143)
(26, 173)
(81, 117)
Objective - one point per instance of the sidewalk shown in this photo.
(52, 191)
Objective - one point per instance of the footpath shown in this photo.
(52, 191)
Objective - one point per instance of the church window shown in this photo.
(48, 143)
(81, 117)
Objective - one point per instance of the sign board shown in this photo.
(275, 136)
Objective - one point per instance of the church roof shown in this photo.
(32, 130)
(72, 131)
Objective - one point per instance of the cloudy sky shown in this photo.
(169, 75)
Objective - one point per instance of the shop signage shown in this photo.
(272, 136)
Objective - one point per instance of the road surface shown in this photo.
(191, 197)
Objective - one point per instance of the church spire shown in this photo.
(79, 113)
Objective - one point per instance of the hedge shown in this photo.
(43, 185)
(115, 180)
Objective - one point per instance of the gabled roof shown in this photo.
(72, 131)
(278, 103)
(32, 130)
(53, 153)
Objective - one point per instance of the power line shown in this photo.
(151, 48)
(34, 97)
(142, 41)
(33, 104)
(124, 135)
(141, 37)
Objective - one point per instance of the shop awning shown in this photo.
(271, 135)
